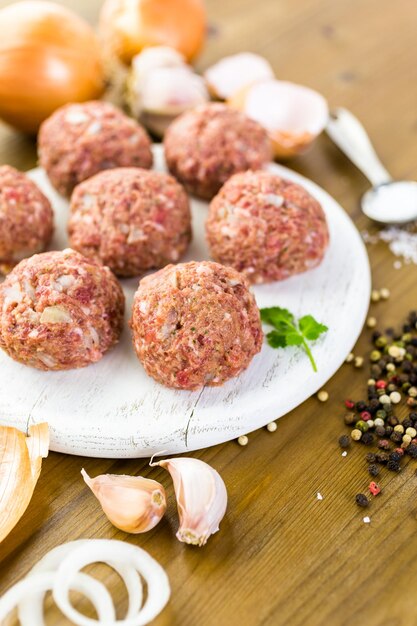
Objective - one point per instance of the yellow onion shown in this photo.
(48, 56)
(128, 26)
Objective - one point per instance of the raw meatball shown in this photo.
(266, 227)
(79, 140)
(205, 146)
(59, 310)
(26, 218)
(195, 324)
(130, 219)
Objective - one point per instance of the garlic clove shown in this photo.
(157, 56)
(173, 90)
(161, 86)
(233, 73)
(201, 498)
(292, 114)
(131, 503)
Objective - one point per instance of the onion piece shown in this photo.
(20, 466)
(42, 582)
(292, 114)
(102, 550)
(30, 609)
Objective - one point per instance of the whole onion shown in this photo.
(48, 56)
(128, 26)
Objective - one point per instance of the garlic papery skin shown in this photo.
(201, 498)
(233, 73)
(131, 503)
(292, 114)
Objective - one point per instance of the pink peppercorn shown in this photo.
(380, 384)
(400, 451)
(349, 404)
(383, 444)
(365, 415)
(374, 489)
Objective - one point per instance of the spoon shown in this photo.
(388, 201)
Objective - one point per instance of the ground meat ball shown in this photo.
(79, 140)
(130, 219)
(195, 324)
(266, 227)
(26, 218)
(207, 145)
(59, 310)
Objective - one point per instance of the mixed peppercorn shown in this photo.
(392, 390)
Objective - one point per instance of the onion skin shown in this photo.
(48, 57)
(126, 28)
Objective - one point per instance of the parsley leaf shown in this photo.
(310, 328)
(291, 332)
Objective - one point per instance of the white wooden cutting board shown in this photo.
(113, 409)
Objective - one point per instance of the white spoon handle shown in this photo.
(350, 136)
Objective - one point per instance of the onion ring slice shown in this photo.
(42, 582)
(102, 550)
(30, 610)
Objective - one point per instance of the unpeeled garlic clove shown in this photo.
(132, 503)
(201, 498)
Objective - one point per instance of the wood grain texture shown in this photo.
(282, 558)
(113, 409)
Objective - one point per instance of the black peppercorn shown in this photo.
(367, 439)
(393, 421)
(360, 406)
(407, 423)
(371, 457)
(388, 430)
(344, 441)
(393, 466)
(396, 437)
(361, 500)
(374, 405)
(412, 450)
(382, 457)
(373, 470)
(350, 419)
(395, 456)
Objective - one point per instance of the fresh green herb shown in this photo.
(291, 332)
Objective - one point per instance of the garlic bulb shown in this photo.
(201, 498)
(161, 86)
(132, 503)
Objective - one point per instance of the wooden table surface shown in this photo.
(282, 557)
